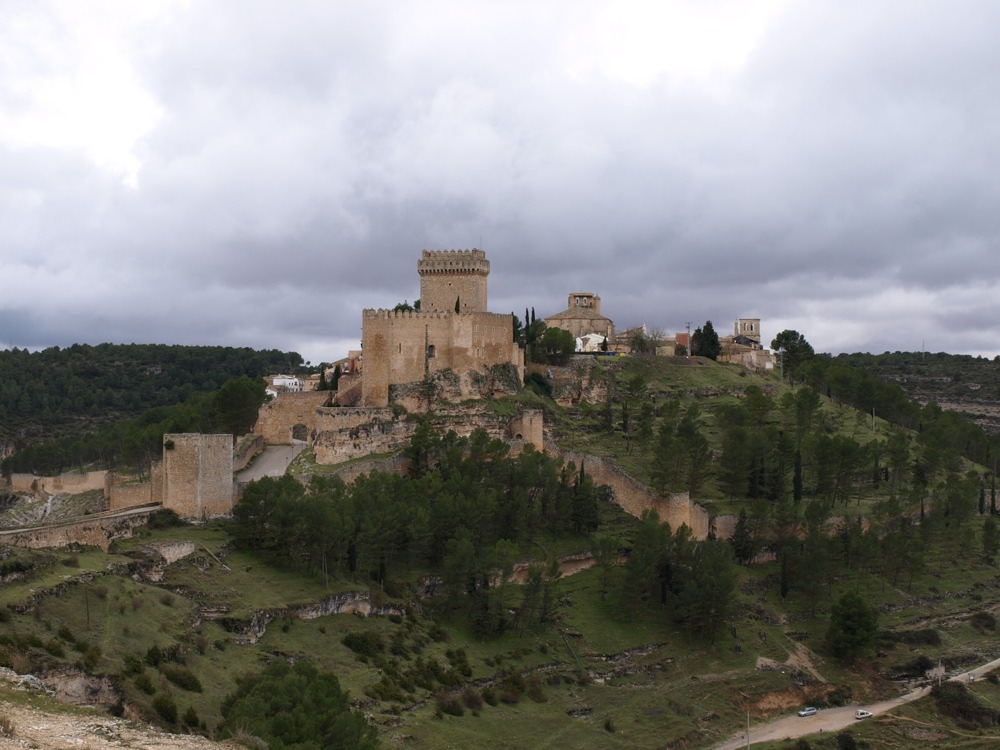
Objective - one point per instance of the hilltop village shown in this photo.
(444, 359)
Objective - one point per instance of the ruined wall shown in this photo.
(70, 484)
(277, 419)
(529, 428)
(198, 474)
(634, 497)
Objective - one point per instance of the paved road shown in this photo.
(273, 462)
(835, 719)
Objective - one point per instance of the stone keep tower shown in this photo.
(447, 276)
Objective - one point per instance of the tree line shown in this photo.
(69, 392)
(135, 443)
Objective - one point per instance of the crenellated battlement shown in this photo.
(383, 314)
(453, 262)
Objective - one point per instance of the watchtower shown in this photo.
(448, 277)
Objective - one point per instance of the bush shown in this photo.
(144, 683)
(181, 677)
(190, 718)
(164, 518)
(366, 645)
(101, 592)
(167, 599)
(846, 741)
(6, 726)
(449, 704)
(471, 698)
(955, 701)
(154, 656)
(164, 705)
(490, 696)
(983, 622)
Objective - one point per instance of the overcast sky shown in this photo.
(257, 173)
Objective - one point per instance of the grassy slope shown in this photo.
(652, 685)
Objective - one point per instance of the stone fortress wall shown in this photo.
(452, 330)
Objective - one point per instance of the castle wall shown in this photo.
(129, 495)
(71, 484)
(402, 347)
(634, 497)
(277, 419)
(198, 474)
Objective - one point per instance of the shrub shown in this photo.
(144, 683)
(164, 705)
(471, 698)
(73, 561)
(365, 644)
(101, 592)
(190, 718)
(90, 657)
(535, 690)
(6, 726)
(183, 678)
(846, 741)
(133, 664)
(609, 725)
(983, 622)
(154, 656)
(449, 704)
(55, 648)
(490, 696)
(164, 518)
(67, 635)
(167, 599)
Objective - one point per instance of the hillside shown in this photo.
(959, 382)
(66, 393)
(625, 655)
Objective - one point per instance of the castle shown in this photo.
(452, 330)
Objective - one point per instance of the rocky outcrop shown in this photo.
(249, 630)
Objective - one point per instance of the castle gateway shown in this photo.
(452, 330)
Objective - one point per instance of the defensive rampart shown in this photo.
(634, 497)
(280, 420)
(72, 484)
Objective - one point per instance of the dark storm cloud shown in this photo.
(840, 180)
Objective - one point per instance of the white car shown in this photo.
(862, 714)
(807, 711)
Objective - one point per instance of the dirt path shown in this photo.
(78, 730)
(835, 719)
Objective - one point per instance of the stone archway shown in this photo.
(300, 432)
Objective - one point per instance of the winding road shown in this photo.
(835, 719)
